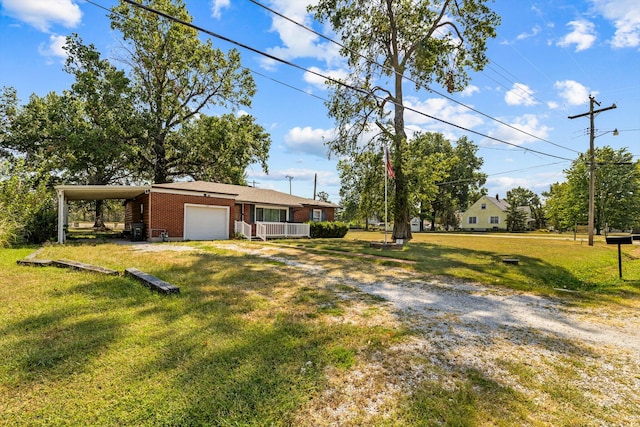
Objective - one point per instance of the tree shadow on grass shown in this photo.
(59, 339)
(530, 274)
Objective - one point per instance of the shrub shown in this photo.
(28, 212)
(328, 229)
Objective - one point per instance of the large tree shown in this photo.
(362, 187)
(220, 148)
(455, 176)
(520, 197)
(177, 76)
(386, 41)
(8, 112)
(564, 207)
(429, 163)
(84, 135)
(617, 191)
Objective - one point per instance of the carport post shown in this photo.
(61, 216)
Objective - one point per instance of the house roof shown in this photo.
(244, 194)
(503, 205)
(101, 192)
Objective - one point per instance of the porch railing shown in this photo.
(266, 230)
(244, 229)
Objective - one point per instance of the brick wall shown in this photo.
(133, 212)
(306, 214)
(167, 211)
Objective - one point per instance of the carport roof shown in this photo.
(101, 192)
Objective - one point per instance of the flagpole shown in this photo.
(386, 173)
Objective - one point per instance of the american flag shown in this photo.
(388, 163)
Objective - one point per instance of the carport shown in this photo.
(67, 193)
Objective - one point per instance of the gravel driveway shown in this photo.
(458, 326)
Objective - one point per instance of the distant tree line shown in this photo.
(446, 180)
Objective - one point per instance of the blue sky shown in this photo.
(548, 57)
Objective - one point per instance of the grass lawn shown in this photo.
(548, 264)
(250, 342)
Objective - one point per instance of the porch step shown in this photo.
(152, 282)
(66, 263)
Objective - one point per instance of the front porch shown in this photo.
(273, 230)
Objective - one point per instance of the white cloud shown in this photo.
(583, 35)
(318, 81)
(520, 94)
(469, 90)
(536, 182)
(500, 185)
(218, 5)
(625, 16)
(534, 31)
(54, 49)
(297, 42)
(552, 105)
(442, 109)
(308, 140)
(42, 14)
(572, 92)
(528, 123)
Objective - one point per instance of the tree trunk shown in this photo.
(160, 167)
(99, 222)
(401, 226)
(433, 221)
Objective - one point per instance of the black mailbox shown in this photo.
(620, 240)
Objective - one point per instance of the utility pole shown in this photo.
(315, 184)
(592, 164)
(289, 177)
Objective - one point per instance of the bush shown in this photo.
(328, 229)
(40, 226)
(9, 230)
(27, 213)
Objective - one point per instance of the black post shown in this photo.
(619, 261)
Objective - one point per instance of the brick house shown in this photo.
(202, 210)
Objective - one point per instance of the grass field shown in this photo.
(252, 341)
(548, 264)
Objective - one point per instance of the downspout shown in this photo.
(150, 225)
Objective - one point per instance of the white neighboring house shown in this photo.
(488, 213)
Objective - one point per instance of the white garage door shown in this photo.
(206, 222)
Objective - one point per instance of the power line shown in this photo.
(389, 69)
(500, 173)
(328, 78)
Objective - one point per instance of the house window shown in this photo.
(473, 220)
(317, 215)
(271, 215)
(494, 220)
(483, 206)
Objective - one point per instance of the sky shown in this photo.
(548, 57)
